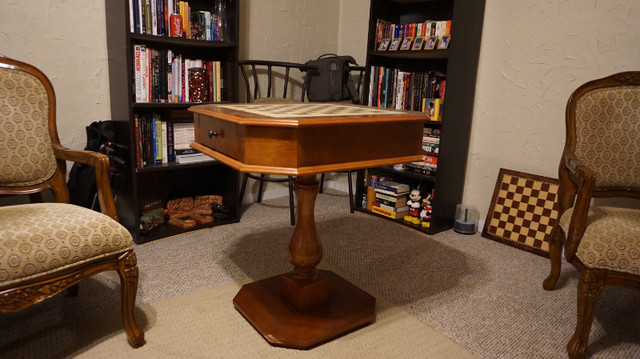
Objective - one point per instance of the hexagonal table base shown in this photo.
(281, 324)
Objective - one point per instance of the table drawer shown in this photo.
(219, 135)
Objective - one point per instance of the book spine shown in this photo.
(148, 141)
(218, 80)
(170, 149)
(165, 150)
(157, 140)
(147, 17)
(390, 208)
(392, 186)
(154, 16)
(137, 65)
(138, 140)
(387, 213)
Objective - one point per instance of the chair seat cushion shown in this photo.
(611, 240)
(43, 238)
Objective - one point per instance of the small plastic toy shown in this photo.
(414, 207)
(425, 214)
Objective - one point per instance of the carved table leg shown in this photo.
(306, 306)
(303, 287)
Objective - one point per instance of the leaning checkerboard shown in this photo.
(523, 211)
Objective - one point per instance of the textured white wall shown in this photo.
(67, 41)
(353, 28)
(288, 30)
(534, 54)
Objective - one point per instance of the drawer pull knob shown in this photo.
(214, 133)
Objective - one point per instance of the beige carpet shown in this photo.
(483, 295)
(204, 324)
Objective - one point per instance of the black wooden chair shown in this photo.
(271, 82)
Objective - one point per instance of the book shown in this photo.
(193, 158)
(165, 152)
(390, 208)
(389, 200)
(387, 212)
(138, 139)
(170, 153)
(157, 139)
(218, 81)
(183, 135)
(392, 186)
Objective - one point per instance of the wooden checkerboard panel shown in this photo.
(523, 211)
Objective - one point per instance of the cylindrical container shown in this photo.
(466, 219)
(198, 85)
(175, 25)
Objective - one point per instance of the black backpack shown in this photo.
(82, 177)
(332, 80)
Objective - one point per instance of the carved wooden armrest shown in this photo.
(101, 163)
(584, 178)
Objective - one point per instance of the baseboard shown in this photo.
(284, 191)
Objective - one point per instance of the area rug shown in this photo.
(204, 324)
(523, 211)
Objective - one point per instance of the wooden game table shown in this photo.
(306, 306)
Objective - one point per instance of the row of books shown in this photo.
(402, 90)
(387, 197)
(161, 141)
(154, 17)
(164, 76)
(400, 32)
(430, 150)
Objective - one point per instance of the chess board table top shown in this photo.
(305, 114)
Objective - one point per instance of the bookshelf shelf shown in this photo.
(459, 63)
(142, 185)
(411, 55)
(172, 166)
(180, 42)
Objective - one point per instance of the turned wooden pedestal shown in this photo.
(307, 306)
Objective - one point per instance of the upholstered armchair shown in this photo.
(49, 247)
(601, 158)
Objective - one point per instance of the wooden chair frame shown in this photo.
(25, 294)
(577, 188)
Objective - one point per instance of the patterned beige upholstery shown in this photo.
(44, 238)
(25, 147)
(611, 239)
(607, 139)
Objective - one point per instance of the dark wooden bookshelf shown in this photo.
(460, 64)
(168, 180)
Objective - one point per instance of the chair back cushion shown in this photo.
(26, 155)
(608, 135)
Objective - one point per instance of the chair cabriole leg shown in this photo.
(128, 272)
(555, 254)
(589, 288)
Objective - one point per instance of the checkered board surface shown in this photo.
(523, 212)
(308, 110)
